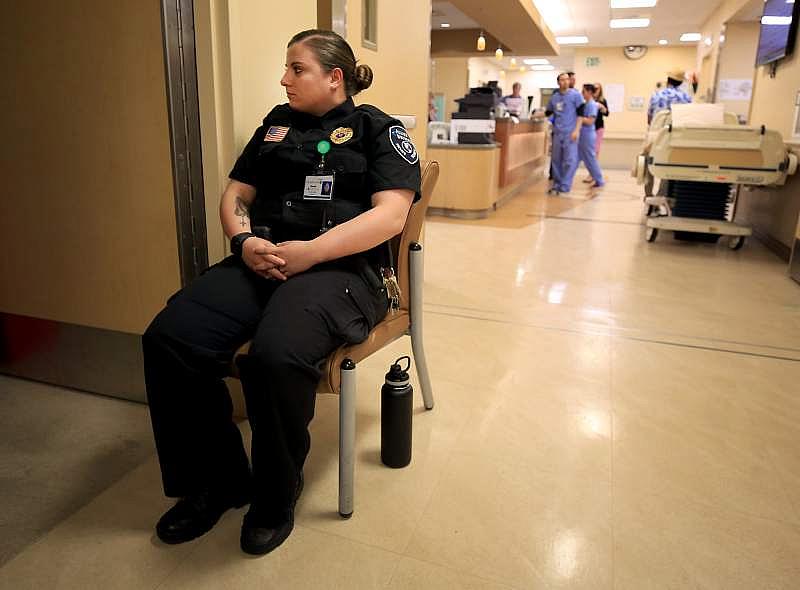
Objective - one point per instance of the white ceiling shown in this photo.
(668, 20)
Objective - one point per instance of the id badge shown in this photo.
(319, 186)
(559, 106)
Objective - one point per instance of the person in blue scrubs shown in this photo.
(564, 106)
(588, 137)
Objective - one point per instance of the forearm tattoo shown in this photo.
(242, 211)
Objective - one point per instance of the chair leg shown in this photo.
(347, 437)
(415, 305)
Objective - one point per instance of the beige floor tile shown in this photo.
(664, 544)
(492, 517)
(413, 574)
(308, 559)
(684, 428)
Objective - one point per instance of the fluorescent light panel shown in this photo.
(662, 41)
(536, 61)
(629, 23)
(572, 40)
(445, 25)
(543, 68)
(632, 3)
(691, 37)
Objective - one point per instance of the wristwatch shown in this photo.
(237, 242)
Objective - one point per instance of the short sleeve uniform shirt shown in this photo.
(665, 98)
(565, 110)
(370, 152)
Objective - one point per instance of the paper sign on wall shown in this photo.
(735, 89)
(615, 95)
(636, 103)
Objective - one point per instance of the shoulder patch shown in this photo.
(402, 144)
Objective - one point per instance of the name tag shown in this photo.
(319, 186)
(559, 106)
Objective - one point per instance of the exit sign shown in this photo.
(592, 62)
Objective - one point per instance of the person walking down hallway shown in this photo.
(671, 94)
(564, 106)
(587, 149)
(312, 200)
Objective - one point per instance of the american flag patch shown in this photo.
(276, 133)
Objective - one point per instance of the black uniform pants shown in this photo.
(294, 326)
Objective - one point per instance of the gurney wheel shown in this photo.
(651, 233)
(736, 243)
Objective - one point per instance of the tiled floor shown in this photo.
(609, 414)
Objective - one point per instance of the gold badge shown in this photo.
(341, 135)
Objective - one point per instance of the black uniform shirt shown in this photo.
(370, 152)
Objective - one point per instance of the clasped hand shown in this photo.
(279, 261)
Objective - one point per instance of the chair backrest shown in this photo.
(413, 228)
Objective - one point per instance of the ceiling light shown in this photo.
(556, 15)
(536, 61)
(481, 45)
(543, 68)
(498, 54)
(776, 20)
(502, 73)
(522, 68)
(573, 40)
(691, 37)
(722, 38)
(513, 62)
(632, 3)
(629, 23)
(708, 41)
(662, 41)
(445, 25)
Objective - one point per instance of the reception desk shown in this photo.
(467, 185)
(474, 179)
(524, 147)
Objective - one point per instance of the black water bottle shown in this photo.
(396, 404)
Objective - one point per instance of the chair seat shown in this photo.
(392, 327)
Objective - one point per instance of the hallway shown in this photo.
(609, 414)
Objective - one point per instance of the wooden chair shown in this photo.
(339, 375)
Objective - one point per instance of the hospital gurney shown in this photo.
(702, 167)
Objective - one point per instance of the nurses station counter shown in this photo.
(475, 179)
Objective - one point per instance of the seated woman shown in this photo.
(314, 196)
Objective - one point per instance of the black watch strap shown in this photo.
(237, 242)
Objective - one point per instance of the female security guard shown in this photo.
(324, 184)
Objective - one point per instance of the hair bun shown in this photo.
(363, 76)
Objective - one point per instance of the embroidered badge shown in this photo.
(402, 144)
(276, 133)
(341, 135)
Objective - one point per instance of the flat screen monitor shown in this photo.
(778, 30)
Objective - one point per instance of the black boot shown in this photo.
(195, 515)
(260, 539)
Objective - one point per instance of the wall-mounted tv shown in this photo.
(778, 30)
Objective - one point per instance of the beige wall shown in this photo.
(87, 220)
(736, 58)
(450, 76)
(773, 98)
(401, 62)
(711, 29)
(212, 40)
(239, 72)
(639, 77)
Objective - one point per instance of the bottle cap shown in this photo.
(397, 374)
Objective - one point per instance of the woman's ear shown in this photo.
(337, 78)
